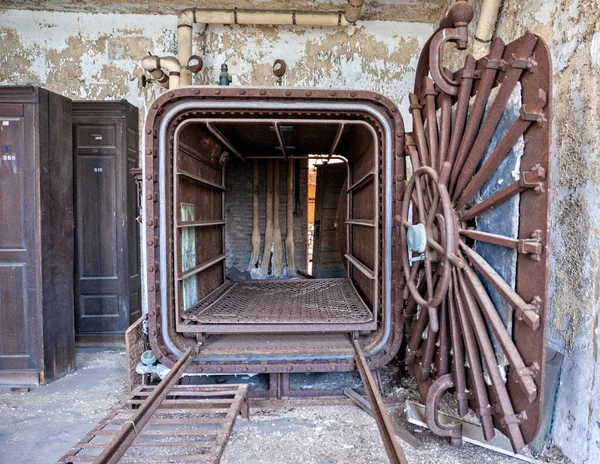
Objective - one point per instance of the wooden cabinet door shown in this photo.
(100, 306)
(19, 340)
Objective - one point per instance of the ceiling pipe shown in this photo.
(485, 27)
(190, 16)
(155, 65)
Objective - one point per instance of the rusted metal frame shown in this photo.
(353, 262)
(528, 312)
(176, 222)
(429, 95)
(357, 222)
(239, 406)
(85, 442)
(530, 179)
(511, 77)
(170, 106)
(201, 267)
(509, 419)
(488, 76)
(191, 176)
(458, 355)
(363, 268)
(462, 107)
(281, 141)
(384, 424)
(369, 176)
(478, 386)
(120, 443)
(524, 375)
(490, 164)
(224, 140)
(531, 246)
(532, 278)
(435, 393)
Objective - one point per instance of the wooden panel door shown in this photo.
(107, 293)
(99, 307)
(19, 341)
(327, 258)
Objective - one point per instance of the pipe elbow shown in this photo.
(170, 63)
(353, 9)
(186, 17)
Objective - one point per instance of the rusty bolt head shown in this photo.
(263, 92)
(197, 91)
(171, 94)
(150, 242)
(155, 106)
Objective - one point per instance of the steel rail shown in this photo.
(121, 442)
(384, 423)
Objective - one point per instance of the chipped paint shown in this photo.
(96, 56)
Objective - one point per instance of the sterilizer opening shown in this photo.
(223, 173)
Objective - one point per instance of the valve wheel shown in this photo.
(434, 236)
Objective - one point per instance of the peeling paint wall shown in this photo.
(572, 30)
(96, 56)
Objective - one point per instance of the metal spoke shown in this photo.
(531, 179)
(525, 311)
(510, 419)
(494, 114)
(532, 246)
(476, 112)
(523, 373)
(484, 408)
(462, 106)
(470, 187)
(445, 103)
(458, 355)
(432, 129)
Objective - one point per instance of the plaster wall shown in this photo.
(96, 56)
(572, 30)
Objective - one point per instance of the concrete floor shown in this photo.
(40, 425)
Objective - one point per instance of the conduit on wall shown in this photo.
(190, 16)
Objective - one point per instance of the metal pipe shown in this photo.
(155, 65)
(485, 27)
(190, 16)
(387, 220)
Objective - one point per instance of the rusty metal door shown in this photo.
(19, 342)
(327, 258)
(475, 227)
(107, 282)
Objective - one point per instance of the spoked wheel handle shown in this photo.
(431, 202)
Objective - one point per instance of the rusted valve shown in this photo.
(224, 77)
